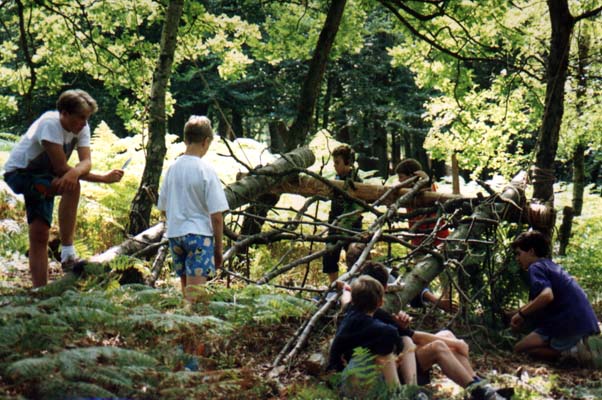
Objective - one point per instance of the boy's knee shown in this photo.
(439, 346)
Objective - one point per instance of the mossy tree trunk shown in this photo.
(311, 86)
(583, 45)
(458, 247)
(146, 196)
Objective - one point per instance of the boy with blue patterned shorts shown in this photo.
(194, 201)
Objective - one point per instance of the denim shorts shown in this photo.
(33, 187)
(192, 255)
(561, 343)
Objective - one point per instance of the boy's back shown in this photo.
(361, 330)
(191, 192)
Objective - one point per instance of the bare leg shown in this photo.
(406, 362)
(191, 291)
(535, 346)
(438, 352)
(38, 252)
(68, 215)
(183, 283)
(464, 360)
(389, 370)
(332, 276)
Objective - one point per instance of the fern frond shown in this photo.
(13, 312)
(31, 368)
(62, 389)
(170, 322)
(82, 317)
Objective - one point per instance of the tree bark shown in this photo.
(308, 186)
(564, 233)
(428, 267)
(311, 86)
(24, 43)
(147, 192)
(583, 45)
(556, 72)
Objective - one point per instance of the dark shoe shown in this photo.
(73, 265)
(484, 392)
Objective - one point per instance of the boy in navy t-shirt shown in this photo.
(558, 306)
(359, 328)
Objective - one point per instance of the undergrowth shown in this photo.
(134, 341)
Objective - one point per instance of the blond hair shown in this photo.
(197, 129)
(76, 101)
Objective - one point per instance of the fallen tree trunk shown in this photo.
(506, 206)
(308, 186)
(237, 194)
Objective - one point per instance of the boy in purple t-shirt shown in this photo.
(558, 306)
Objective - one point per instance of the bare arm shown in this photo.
(444, 304)
(68, 176)
(108, 177)
(543, 299)
(217, 222)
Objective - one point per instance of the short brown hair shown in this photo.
(345, 152)
(353, 253)
(408, 167)
(377, 271)
(366, 293)
(197, 129)
(75, 101)
(532, 240)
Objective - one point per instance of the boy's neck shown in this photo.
(195, 149)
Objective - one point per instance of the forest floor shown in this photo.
(257, 347)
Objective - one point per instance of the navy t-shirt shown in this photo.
(570, 313)
(361, 330)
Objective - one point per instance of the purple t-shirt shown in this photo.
(570, 313)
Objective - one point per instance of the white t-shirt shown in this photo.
(29, 152)
(191, 192)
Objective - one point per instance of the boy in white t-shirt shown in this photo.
(37, 168)
(193, 199)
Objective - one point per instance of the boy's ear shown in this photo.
(381, 302)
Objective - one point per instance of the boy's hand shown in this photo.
(402, 319)
(113, 176)
(516, 322)
(68, 182)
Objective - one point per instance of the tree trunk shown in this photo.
(556, 72)
(455, 170)
(578, 178)
(278, 134)
(24, 43)
(379, 147)
(308, 186)
(428, 267)
(147, 192)
(251, 187)
(583, 45)
(564, 233)
(311, 86)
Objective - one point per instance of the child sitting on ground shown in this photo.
(442, 348)
(359, 328)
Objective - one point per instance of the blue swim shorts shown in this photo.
(192, 255)
(560, 343)
(33, 187)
